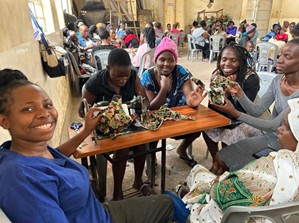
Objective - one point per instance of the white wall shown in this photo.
(19, 50)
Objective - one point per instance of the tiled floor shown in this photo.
(176, 169)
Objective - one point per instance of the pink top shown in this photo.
(142, 49)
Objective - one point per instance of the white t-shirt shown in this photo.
(198, 37)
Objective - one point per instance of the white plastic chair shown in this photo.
(265, 81)
(149, 55)
(101, 55)
(216, 45)
(192, 48)
(281, 213)
(263, 52)
(3, 217)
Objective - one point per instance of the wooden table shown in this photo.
(205, 119)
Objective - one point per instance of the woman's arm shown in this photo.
(69, 147)
(140, 91)
(90, 98)
(156, 101)
(258, 108)
(262, 124)
(206, 35)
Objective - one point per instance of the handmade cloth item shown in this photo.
(217, 89)
(115, 120)
(154, 120)
(166, 44)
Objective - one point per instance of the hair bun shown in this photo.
(9, 75)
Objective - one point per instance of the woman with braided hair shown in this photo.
(232, 64)
(282, 88)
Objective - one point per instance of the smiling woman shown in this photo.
(169, 83)
(284, 86)
(41, 178)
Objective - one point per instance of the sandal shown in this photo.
(190, 160)
(181, 189)
(147, 190)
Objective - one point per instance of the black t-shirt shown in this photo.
(98, 85)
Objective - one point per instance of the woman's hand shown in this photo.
(196, 96)
(166, 82)
(235, 88)
(227, 108)
(216, 73)
(92, 119)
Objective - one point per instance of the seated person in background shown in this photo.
(170, 83)
(219, 31)
(119, 79)
(248, 35)
(295, 31)
(159, 32)
(279, 40)
(290, 33)
(131, 40)
(114, 41)
(256, 33)
(250, 49)
(276, 28)
(269, 180)
(121, 31)
(233, 64)
(85, 41)
(93, 33)
(47, 185)
(194, 26)
(148, 35)
(285, 26)
(201, 38)
(168, 29)
(231, 31)
(283, 87)
(105, 45)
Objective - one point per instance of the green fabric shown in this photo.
(232, 191)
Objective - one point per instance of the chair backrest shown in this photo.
(182, 38)
(281, 213)
(263, 52)
(216, 43)
(265, 81)
(175, 37)
(191, 42)
(148, 56)
(102, 56)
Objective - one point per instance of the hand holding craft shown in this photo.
(228, 108)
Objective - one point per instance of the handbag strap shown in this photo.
(42, 35)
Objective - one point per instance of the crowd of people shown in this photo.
(50, 187)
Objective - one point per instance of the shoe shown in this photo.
(190, 160)
(147, 190)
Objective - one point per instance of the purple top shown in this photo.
(232, 30)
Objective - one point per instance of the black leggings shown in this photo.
(205, 49)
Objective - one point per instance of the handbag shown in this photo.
(55, 59)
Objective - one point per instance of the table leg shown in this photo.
(163, 165)
(84, 162)
(98, 176)
(150, 164)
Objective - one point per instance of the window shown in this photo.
(41, 9)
